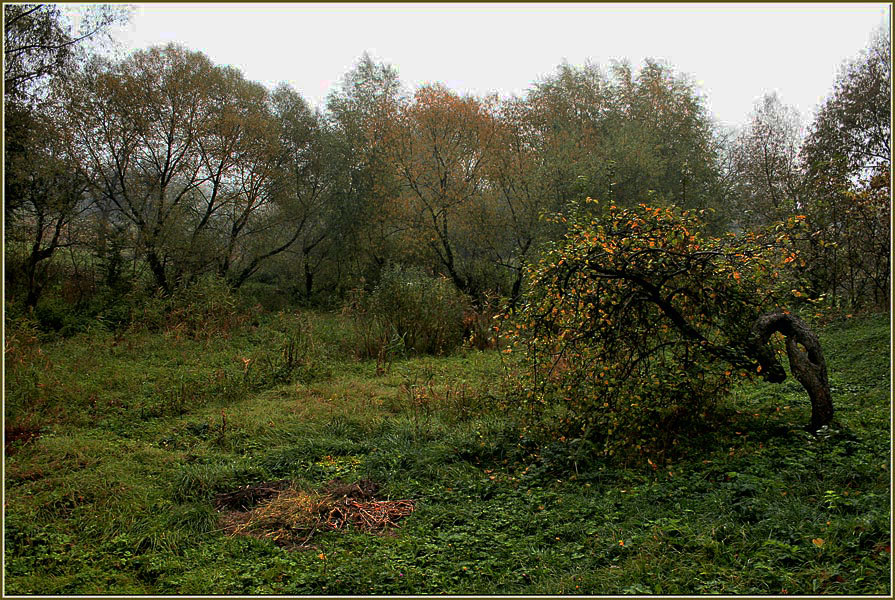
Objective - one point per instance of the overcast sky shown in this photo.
(734, 52)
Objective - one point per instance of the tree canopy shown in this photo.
(180, 167)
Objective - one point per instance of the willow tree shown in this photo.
(207, 171)
(360, 112)
(136, 124)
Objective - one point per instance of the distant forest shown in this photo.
(132, 177)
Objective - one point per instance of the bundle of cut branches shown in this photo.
(292, 517)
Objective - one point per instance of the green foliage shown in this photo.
(166, 373)
(126, 415)
(316, 202)
(851, 132)
(114, 504)
(767, 178)
(200, 309)
(53, 314)
(39, 43)
(204, 308)
(292, 354)
(419, 312)
(623, 135)
(848, 169)
(24, 365)
(270, 297)
(844, 251)
(638, 322)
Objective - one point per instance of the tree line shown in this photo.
(151, 171)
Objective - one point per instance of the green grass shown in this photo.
(137, 433)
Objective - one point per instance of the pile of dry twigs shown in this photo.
(291, 516)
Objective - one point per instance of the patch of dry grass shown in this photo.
(290, 517)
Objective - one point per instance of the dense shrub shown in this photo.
(201, 309)
(198, 309)
(269, 296)
(636, 323)
(53, 314)
(424, 313)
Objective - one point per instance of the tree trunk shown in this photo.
(806, 360)
(517, 288)
(309, 280)
(158, 270)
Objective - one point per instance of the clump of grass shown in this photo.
(201, 480)
(424, 313)
(201, 309)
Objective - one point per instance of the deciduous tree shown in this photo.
(49, 199)
(302, 190)
(43, 193)
(361, 112)
(624, 136)
(766, 164)
(440, 149)
(207, 172)
(40, 43)
(635, 322)
(847, 157)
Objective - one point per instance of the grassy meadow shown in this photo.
(176, 461)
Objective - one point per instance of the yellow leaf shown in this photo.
(818, 542)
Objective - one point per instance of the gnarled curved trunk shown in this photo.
(806, 360)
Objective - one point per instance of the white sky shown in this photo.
(734, 52)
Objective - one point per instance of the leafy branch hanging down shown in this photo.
(637, 320)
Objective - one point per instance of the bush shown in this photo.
(270, 297)
(424, 313)
(479, 328)
(202, 309)
(636, 323)
(55, 315)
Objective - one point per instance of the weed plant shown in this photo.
(409, 309)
